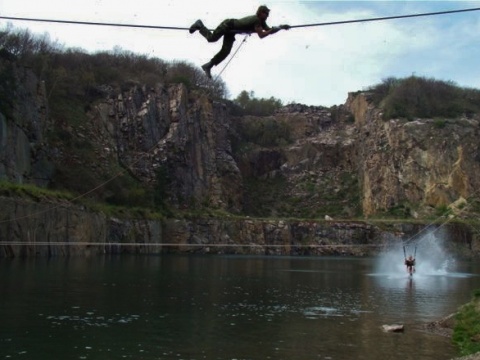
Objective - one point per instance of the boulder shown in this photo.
(393, 328)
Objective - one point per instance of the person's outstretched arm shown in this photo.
(264, 33)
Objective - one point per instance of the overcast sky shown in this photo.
(311, 65)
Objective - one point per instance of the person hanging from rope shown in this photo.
(410, 264)
(229, 27)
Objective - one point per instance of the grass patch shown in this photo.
(124, 212)
(32, 192)
(37, 194)
(466, 334)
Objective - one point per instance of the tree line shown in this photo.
(75, 72)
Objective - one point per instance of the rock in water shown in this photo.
(392, 328)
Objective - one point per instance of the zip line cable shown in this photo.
(94, 23)
(386, 18)
(185, 28)
(292, 27)
(428, 227)
(231, 58)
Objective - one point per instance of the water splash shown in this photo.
(430, 253)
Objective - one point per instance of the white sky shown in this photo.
(313, 65)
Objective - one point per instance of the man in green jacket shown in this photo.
(228, 28)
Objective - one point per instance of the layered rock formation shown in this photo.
(421, 164)
(35, 229)
(29, 228)
(342, 162)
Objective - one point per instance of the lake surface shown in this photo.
(225, 307)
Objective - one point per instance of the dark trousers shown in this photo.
(225, 30)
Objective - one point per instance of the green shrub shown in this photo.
(439, 123)
(26, 190)
(75, 73)
(421, 97)
(443, 210)
(251, 105)
(267, 132)
(400, 211)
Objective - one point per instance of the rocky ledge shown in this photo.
(444, 327)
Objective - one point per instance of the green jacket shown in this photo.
(249, 23)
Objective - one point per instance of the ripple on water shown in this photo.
(88, 319)
(315, 312)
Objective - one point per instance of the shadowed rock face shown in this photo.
(23, 157)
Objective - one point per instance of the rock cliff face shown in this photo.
(420, 165)
(163, 132)
(180, 133)
(345, 161)
(313, 175)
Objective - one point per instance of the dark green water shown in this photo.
(214, 307)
